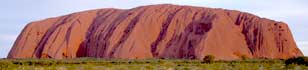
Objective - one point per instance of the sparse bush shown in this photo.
(209, 59)
(297, 60)
(244, 57)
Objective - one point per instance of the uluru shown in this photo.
(156, 31)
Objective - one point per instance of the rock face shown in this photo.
(156, 31)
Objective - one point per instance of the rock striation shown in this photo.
(156, 31)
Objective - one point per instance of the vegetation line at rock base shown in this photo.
(152, 64)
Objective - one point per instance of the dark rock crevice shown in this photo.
(163, 32)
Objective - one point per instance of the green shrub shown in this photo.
(244, 57)
(297, 60)
(209, 59)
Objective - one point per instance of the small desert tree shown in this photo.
(298, 60)
(244, 57)
(208, 59)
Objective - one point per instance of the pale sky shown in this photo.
(15, 14)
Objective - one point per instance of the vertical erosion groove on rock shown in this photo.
(162, 32)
